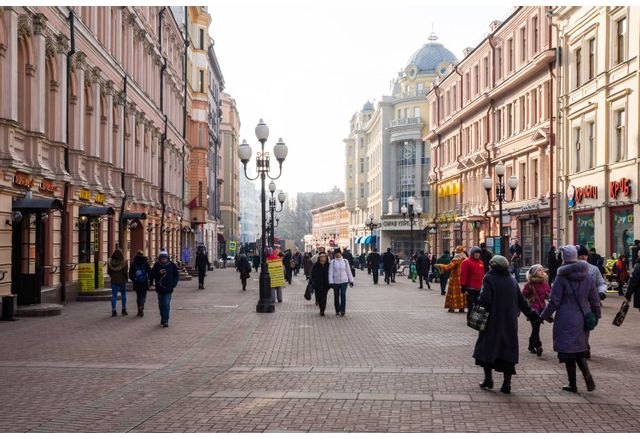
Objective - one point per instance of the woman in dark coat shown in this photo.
(140, 275)
(634, 284)
(244, 268)
(497, 345)
(320, 281)
(202, 263)
(573, 294)
(307, 265)
(552, 264)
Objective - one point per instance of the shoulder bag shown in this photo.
(478, 317)
(590, 319)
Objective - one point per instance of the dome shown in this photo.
(431, 58)
(368, 106)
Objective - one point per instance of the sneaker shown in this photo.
(114, 313)
(124, 312)
(165, 325)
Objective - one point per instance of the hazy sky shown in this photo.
(307, 68)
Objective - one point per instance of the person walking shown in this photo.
(165, 274)
(396, 266)
(552, 263)
(434, 272)
(388, 261)
(256, 261)
(289, 264)
(471, 273)
(340, 277)
(454, 298)
(298, 259)
(118, 270)
(594, 271)
(362, 260)
(444, 259)
(621, 272)
(315, 257)
(573, 295)
(497, 346)
(349, 258)
(373, 264)
(595, 259)
(516, 257)
(634, 250)
(244, 268)
(140, 275)
(634, 286)
(307, 265)
(423, 264)
(224, 259)
(536, 291)
(485, 256)
(320, 281)
(202, 264)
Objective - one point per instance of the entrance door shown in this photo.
(27, 259)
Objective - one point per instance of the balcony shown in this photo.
(406, 121)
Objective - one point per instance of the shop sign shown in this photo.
(99, 198)
(232, 245)
(575, 195)
(22, 179)
(448, 189)
(48, 186)
(85, 194)
(530, 207)
(86, 276)
(616, 187)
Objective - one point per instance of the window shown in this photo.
(523, 185)
(486, 72)
(536, 178)
(578, 150)
(416, 112)
(509, 120)
(621, 37)
(619, 151)
(455, 97)
(523, 44)
(591, 152)
(534, 106)
(578, 59)
(361, 164)
(499, 62)
(201, 39)
(467, 86)
(201, 81)
(510, 56)
(592, 58)
(361, 190)
(420, 89)
(534, 25)
(523, 113)
(499, 125)
(399, 114)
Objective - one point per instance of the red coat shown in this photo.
(471, 273)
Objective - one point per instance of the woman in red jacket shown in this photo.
(536, 291)
(472, 273)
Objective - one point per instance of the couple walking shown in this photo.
(335, 274)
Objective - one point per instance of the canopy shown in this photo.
(359, 239)
(134, 215)
(371, 239)
(96, 211)
(31, 204)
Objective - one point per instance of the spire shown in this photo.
(432, 36)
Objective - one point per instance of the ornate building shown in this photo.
(229, 173)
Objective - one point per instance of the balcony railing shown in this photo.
(406, 121)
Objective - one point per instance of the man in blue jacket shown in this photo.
(165, 274)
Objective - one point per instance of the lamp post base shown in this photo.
(265, 304)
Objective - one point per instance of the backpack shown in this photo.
(139, 274)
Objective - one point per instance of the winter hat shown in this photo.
(569, 254)
(499, 261)
(475, 249)
(162, 254)
(532, 271)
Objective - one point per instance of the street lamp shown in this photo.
(265, 304)
(272, 210)
(412, 211)
(371, 224)
(512, 182)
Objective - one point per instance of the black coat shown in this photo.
(552, 262)
(388, 260)
(202, 261)
(244, 267)
(143, 262)
(502, 297)
(320, 277)
(422, 265)
(634, 285)
(374, 260)
(485, 257)
(349, 257)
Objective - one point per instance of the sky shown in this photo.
(306, 68)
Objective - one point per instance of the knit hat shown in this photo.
(499, 261)
(459, 249)
(162, 254)
(532, 271)
(569, 254)
(475, 249)
(582, 250)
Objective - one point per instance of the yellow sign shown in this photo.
(85, 194)
(448, 189)
(276, 271)
(86, 276)
(99, 198)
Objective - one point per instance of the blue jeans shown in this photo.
(114, 295)
(443, 284)
(340, 297)
(164, 303)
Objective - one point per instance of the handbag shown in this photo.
(619, 318)
(478, 317)
(308, 291)
(590, 319)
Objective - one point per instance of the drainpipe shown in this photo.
(123, 204)
(65, 196)
(552, 139)
(184, 110)
(163, 138)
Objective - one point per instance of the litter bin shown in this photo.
(9, 306)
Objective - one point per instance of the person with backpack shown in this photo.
(202, 264)
(140, 275)
(165, 274)
(117, 268)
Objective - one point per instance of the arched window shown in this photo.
(50, 94)
(89, 112)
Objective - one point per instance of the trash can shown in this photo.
(9, 306)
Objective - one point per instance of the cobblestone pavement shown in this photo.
(396, 362)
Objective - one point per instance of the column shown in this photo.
(418, 171)
(94, 148)
(118, 32)
(109, 153)
(62, 46)
(10, 68)
(131, 141)
(78, 124)
(38, 86)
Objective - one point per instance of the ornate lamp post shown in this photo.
(371, 224)
(265, 304)
(412, 211)
(272, 211)
(487, 182)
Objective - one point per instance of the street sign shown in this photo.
(232, 245)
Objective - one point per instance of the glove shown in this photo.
(351, 284)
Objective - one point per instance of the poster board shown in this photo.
(86, 277)
(276, 271)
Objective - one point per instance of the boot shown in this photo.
(571, 374)
(124, 312)
(114, 313)
(140, 311)
(488, 379)
(586, 373)
(506, 384)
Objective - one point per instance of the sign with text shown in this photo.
(86, 276)
(276, 271)
(575, 195)
(621, 186)
(22, 179)
(47, 186)
(85, 194)
(99, 198)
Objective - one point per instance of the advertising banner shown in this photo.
(86, 277)
(276, 271)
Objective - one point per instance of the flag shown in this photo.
(193, 203)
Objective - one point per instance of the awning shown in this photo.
(134, 215)
(96, 211)
(221, 238)
(360, 239)
(27, 204)
(371, 239)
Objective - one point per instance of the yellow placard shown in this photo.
(86, 277)
(99, 198)
(276, 271)
(85, 194)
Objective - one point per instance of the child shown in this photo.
(536, 291)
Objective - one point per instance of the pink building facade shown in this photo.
(91, 143)
(496, 106)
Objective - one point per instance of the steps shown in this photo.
(39, 310)
(101, 294)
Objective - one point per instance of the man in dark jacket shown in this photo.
(422, 268)
(349, 257)
(388, 262)
(244, 268)
(485, 256)
(595, 259)
(362, 260)
(140, 275)
(516, 257)
(444, 259)
(552, 263)
(635, 249)
(373, 264)
(633, 286)
(202, 263)
(288, 269)
(165, 273)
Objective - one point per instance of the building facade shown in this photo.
(329, 227)
(91, 143)
(496, 105)
(388, 158)
(250, 219)
(599, 108)
(229, 173)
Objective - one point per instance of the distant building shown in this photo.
(330, 226)
(250, 225)
(229, 173)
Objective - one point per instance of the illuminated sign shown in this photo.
(99, 198)
(85, 194)
(22, 179)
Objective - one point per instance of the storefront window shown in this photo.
(529, 242)
(621, 230)
(584, 229)
(545, 226)
(446, 241)
(84, 236)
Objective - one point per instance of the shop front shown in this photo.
(533, 232)
(621, 230)
(395, 233)
(91, 224)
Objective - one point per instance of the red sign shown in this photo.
(623, 185)
(586, 192)
(24, 180)
(332, 243)
(48, 186)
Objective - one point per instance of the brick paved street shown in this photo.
(396, 362)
